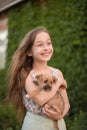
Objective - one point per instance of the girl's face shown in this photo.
(42, 49)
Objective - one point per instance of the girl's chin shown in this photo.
(45, 59)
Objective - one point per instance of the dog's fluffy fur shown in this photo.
(46, 82)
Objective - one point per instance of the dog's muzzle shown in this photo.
(47, 88)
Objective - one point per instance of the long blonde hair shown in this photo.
(19, 69)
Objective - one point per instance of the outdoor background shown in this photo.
(66, 21)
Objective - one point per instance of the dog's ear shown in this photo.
(39, 77)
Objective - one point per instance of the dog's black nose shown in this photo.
(47, 88)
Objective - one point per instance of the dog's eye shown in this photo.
(45, 81)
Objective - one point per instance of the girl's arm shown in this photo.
(66, 101)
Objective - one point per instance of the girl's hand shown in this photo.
(53, 114)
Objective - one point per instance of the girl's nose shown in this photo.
(45, 47)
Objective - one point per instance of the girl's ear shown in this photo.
(29, 53)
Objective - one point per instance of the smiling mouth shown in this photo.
(46, 54)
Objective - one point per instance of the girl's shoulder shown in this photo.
(57, 71)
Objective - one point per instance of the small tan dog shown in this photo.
(45, 82)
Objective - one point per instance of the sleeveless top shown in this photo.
(30, 105)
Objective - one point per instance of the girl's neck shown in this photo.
(40, 67)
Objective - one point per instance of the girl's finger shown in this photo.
(56, 109)
(47, 110)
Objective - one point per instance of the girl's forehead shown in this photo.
(42, 35)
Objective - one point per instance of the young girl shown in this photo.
(29, 60)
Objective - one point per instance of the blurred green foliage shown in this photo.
(67, 24)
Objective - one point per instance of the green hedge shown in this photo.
(66, 22)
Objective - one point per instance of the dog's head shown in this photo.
(45, 81)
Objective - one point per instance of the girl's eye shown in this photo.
(39, 45)
(49, 43)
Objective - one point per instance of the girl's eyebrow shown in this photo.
(42, 41)
(38, 41)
